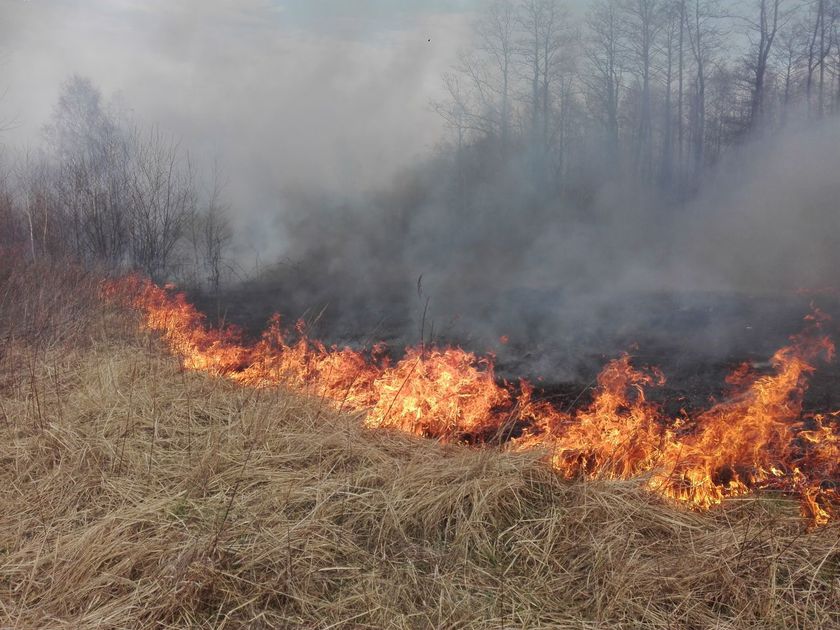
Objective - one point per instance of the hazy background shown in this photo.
(293, 92)
(349, 192)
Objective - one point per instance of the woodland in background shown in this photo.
(107, 192)
(654, 88)
(588, 151)
(544, 108)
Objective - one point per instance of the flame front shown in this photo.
(756, 439)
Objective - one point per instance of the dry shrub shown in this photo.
(137, 495)
(52, 301)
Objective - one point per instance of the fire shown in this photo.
(748, 441)
(212, 350)
(756, 439)
(616, 436)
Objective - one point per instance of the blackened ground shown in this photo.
(560, 344)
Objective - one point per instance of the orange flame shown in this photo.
(756, 439)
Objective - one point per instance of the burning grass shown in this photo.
(139, 494)
(754, 440)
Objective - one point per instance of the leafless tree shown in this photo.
(824, 14)
(544, 38)
(212, 234)
(704, 36)
(544, 57)
(643, 23)
(91, 155)
(787, 57)
(496, 41)
(162, 198)
(836, 63)
(672, 49)
(605, 51)
(45, 227)
(762, 31)
(481, 84)
(11, 227)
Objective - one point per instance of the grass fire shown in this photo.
(756, 439)
(476, 314)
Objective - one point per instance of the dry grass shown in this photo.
(136, 495)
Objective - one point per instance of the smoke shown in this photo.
(570, 283)
(768, 218)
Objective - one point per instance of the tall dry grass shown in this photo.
(133, 495)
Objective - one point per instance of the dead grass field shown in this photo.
(135, 495)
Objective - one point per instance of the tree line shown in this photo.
(107, 192)
(653, 89)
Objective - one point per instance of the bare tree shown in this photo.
(683, 17)
(673, 16)
(544, 34)
(45, 227)
(762, 31)
(11, 227)
(496, 40)
(704, 36)
(565, 97)
(836, 64)
(643, 23)
(212, 235)
(163, 199)
(824, 14)
(787, 55)
(90, 172)
(605, 52)
(480, 88)
(543, 43)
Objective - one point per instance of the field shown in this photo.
(137, 494)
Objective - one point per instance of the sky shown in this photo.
(280, 92)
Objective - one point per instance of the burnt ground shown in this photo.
(695, 339)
